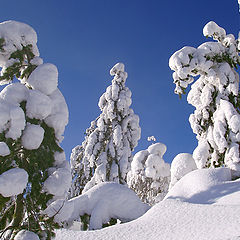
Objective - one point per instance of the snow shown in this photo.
(39, 105)
(198, 181)
(103, 202)
(16, 35)
(149, 175)
(214, 215)
(32, 136)
(44, 78)
(59, 182)
(26, 235)
(13, 182)
(4, 149)
(182, 164)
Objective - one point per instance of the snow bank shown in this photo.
(215, 217)
(195, 182)
(171, 220)
(103, 202)
(13, 182)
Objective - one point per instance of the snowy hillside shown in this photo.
(204, 204)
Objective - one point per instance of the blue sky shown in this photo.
(85, 38)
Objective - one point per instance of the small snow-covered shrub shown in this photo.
(106, 153)
(215, 95)
(182, 164)
(32, 120)
(149, 176)
(99, 205)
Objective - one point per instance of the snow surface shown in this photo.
(103, 202)
(13, 182)
(26, 235)
(216, 216)
(182, 164)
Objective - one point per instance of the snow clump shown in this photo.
(182, 164)
(13, 182)
(26, 235)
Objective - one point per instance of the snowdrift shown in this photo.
(208, 211)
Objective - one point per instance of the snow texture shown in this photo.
(32, 136)
(59, 182)
(214, 215)
(149, 175)
(4, 149)
(44, 78)
(26, 235)
(102, 202)
(13, 182)
(214, 95)
(16, 35)
(197, 182)
(182, 164)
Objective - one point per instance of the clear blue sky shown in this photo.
(85, 38)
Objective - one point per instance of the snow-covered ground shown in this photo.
(204, 204)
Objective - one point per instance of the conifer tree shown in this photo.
(215, 95)
(107, 150)
(33, 168)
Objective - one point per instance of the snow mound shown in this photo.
(13, 182)
(103, 202)
(170, 220)
(182, 164)
(197, 182)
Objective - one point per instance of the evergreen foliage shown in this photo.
(24, 211)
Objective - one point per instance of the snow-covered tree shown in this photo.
(215, 95)
(107, 150)
(149, 176)
(33, 168)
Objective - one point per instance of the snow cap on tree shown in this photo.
(149, 175)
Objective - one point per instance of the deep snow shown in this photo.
(204, 212)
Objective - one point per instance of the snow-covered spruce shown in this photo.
(32, 120)
(149, 176)
(215, 95)
(106, 153)
(102, 203)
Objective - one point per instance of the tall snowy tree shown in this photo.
(107, 150)
(33, 168)
(149, 176)
(215, 95)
